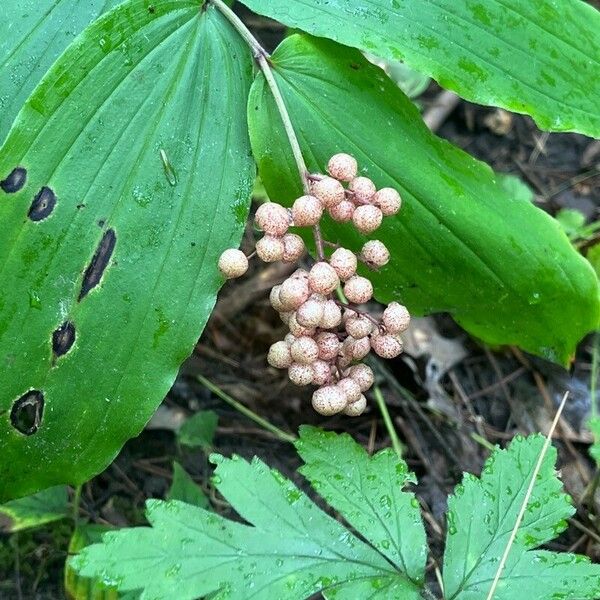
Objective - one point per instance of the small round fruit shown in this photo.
(329, 191)
(304, 350)
(294, 291)
(355, 409)
(272, 218)
(363, 375)
(274, 299)
(300, 374)
(388, 200)
(329, 345)
(344, 262)
(269, 249)
(332, 315)
(233, 263)
(342, 212)
(359, 326)
(356, 349)
(386, 345)
(279, 355)
(350, 388)
(310, 313)
(396, 318)
(321, 372)
(342, 166)
(358, 289)
(367, 218)
(329, 400)
(293, 247)
(375, 253)
(299, 330)
(322, 278)
(307, 211)
(364, 189)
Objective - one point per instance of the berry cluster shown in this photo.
(328, 338)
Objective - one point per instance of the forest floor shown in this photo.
(449, 396)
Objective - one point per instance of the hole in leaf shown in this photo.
(14, 181)
(26, 413)
(43, 204)
(93, 274)
(63, 338)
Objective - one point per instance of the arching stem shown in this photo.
(262, 58)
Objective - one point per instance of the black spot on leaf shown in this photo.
(93, 274)
(14, 181)
(43, 204)
(26, 413)
(63, 338)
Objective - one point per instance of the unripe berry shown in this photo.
(343, 167)
(358, 289)
(364, 189)
(299, 330)
(321, 372)
(269, 248)
(396, 318)
(388, 200)
(367, 218)
(322, 278)
(304, 350)
(310, 313)
(274, 299)
(293, 247)
(363, 375)
(332, 315)
(300, 374)
(344, 262)
(355, 409)
(307, 211)
(350, 388)
(329, 345)
(356, 349)
(279, 355)
(386, 345)
(342, 212)
(375, 253)
(233, 263)
(329, 191)
(294, 291)
(359, 326)
(272, 218)
(329, 400)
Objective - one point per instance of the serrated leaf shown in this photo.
(367, 492)
(535, 57)
(460, 243)
(292, 550)
(481, 515)
(198, 430)
(33, 33)
(185, 489)
(135, 146)
(35, 510)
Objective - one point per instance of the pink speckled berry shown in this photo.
(329, 191)
(388, 200)
(329, 400)
(367, 218)
(272, 218)
(269, 248)
(375, 253)
(321, 372)
(293, 247)
(363, 375)
(351, 389)
(342, 212)
(310, 313)
(279, 355)
(233, 263)
(300, 374)
(358, 289)
(322, 278)
(356, 349)
(342, 166)
(359, 326)
(304, 350)
(294, 291)
(386, 345)
(299, 330)
(364, 189)
(355, 409)
(396, 318)
(332, 315)
(329, 345)
(344, 262)
(307, 211)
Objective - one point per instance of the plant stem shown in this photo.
(387, 419)
(594, 373)
(282, 435)
(76, 503)
(262, 57)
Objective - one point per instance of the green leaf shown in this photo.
(538, 58)
(571, 220)
(292, 550)
(35, 510)
(460, 244)
(481, 515)
(594, 425)
(199, 430)
(185, 489)
(31, 40)
(514, 186)
(367, 492)
(139, 132)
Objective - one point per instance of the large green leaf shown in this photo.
(539, 57)
(481, 516)
(30, 41)
(35, 510)
(461, 243)
(138, 175)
